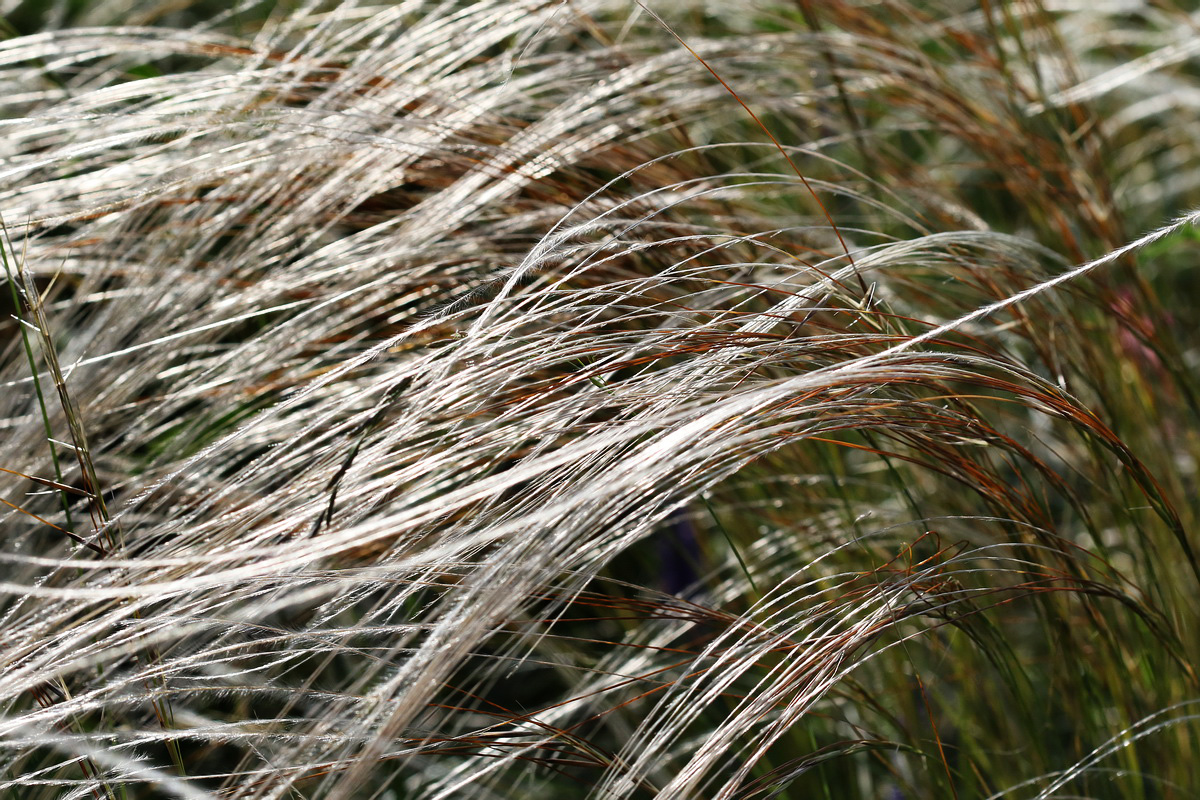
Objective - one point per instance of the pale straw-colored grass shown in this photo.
(587, 399)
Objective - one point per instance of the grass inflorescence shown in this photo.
(578, 398)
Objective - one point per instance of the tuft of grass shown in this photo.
(600, 399)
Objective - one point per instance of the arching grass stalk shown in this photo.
(401, 347)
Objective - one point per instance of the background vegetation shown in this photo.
(582, 398)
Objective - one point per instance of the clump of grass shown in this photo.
(591, 399)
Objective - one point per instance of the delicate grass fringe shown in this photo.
(599, 399)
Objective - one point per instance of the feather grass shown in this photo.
(596, 399)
